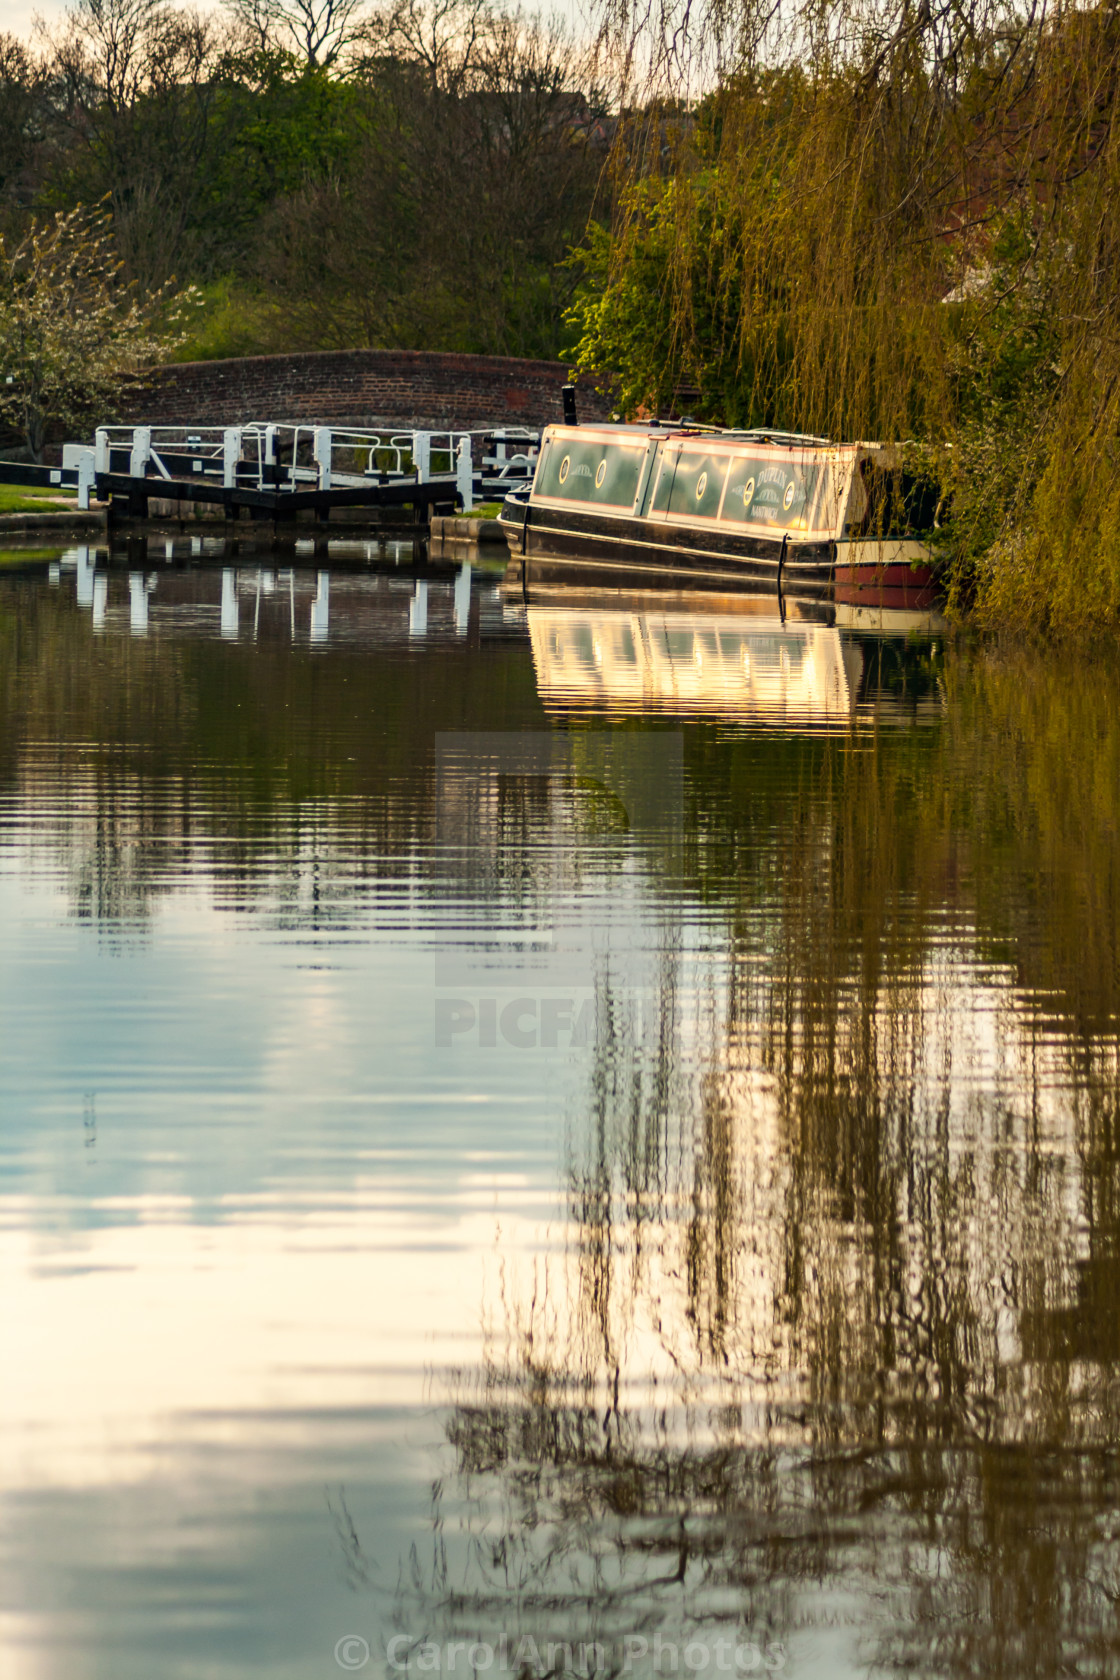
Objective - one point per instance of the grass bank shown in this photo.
(18, 498)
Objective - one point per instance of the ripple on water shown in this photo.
(565, 1123)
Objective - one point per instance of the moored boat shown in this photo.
(716, 508)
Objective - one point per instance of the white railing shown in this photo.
(352, 456)
(212, 450)
(276, 455)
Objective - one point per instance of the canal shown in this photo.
(549, 1138)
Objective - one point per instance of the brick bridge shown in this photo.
(425, 389)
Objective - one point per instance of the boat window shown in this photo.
(697, 484)
(579, 470)
(770, 492)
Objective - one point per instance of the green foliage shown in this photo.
(422, 189)
(914, 236)
(192, 164)
(740, 283)
(666, 313)
(233, 318)
(69, 326)
(280, 122)
(449, 220)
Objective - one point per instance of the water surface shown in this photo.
(551, 1123)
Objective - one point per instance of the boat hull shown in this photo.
(643, 550)
(556, 545)
(896, 574)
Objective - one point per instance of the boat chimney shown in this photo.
(568, 396)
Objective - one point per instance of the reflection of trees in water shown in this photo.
(937, 1556)
(908, 1194)
(837, 1335)
(835, 1341)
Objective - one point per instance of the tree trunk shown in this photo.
(35, 432)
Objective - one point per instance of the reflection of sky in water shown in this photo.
(754, 1278)
(249, 1206)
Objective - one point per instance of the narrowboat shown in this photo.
(707, 509)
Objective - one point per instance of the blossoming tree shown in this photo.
(71, 328)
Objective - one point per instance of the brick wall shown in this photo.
(425, 389)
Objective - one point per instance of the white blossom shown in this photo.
(72, 331)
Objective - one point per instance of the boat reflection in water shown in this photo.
(817, 667)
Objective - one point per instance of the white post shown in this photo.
(141, 452)
(293, 469)
(86, 477)
(231, 454)
(101, 450)
(321, 452)
(464, 477)
(422, 456)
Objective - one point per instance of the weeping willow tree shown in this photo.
(896, 221)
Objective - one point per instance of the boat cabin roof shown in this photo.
(765, 481)
(625, 430)
(761, 480)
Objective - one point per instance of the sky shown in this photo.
(17, 17)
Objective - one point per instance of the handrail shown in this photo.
(266, 454)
